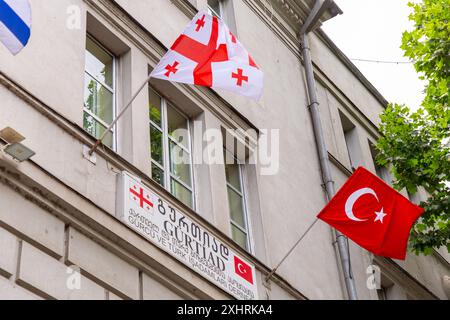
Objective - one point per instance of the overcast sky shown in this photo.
(372, 30)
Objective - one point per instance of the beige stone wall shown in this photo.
(58, 209)
(38, 250)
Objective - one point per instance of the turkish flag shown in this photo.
(372, 214)
(243, 269)
(208, 54)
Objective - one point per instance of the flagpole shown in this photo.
(270, 275)
(122, 112)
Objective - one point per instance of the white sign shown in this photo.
(148, 214)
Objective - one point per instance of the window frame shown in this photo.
(349, 131)
(382, 293)
(113, 91)
(243, 195)
(381, 172)
(166, 139)
(213, 12)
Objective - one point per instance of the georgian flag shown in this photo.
(208, 54)
(15, 24)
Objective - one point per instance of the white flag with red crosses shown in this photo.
(208, 54)
(142, 197)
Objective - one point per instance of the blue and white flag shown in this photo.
(15, 24)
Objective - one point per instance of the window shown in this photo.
(215, 8)
(351, 140)
(99, 91)
(236, 201)
(170, 148)
(390, 290)
(381, 172)
(385, 287)
(382, 293)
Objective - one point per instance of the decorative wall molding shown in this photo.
(274, 21)
(186, 7)
(293, 11)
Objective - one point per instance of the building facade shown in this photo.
(61, 235)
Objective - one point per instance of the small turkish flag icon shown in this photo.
(243, 269)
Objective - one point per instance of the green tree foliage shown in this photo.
(417, 144)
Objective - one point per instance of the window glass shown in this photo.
(177, 126)
(157, 174)
(382, 172)
(95, 129)
(98, 99)
(239, 237)
(382, 293)
(351, 140)
(156, 139)
(236, 200)
(181, 193)
(214, 8)
(233, 175)
(99, 63)
(170, 148)
(180, 164)
(99, 94)
(155, 107)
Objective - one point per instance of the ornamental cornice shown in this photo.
(293, 12)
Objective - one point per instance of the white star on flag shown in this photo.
(380, 215)
(208, 54)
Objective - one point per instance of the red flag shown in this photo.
(372, 214)
(243, 269)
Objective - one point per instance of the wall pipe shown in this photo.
(341, 240)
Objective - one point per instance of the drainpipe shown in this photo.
(342, 242)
